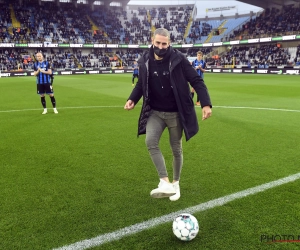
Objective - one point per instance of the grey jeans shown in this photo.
(156, 124)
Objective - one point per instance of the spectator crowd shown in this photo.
(46, 22)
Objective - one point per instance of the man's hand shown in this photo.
(206, 112)
(129, 105)
(37, 71)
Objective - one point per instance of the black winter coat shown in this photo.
(181, 74)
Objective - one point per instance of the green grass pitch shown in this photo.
(83, 173)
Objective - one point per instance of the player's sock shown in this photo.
(192, 94)
(53, 101)
(43, 101)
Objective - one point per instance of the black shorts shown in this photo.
(44, 89)
(136, 75)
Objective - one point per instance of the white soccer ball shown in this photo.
(185, 227)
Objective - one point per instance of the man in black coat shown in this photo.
(164, 78)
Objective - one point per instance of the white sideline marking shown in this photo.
(136, 228)
(89, 107)
(80, 107)
(272, 109)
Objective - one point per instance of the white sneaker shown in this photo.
(176, 196)
(165, 189)
(44, 112)
(55, 111)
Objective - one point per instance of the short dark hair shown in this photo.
(162, 32)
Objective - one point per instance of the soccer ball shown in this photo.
(185, 227)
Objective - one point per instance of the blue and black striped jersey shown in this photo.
(135, 68)
(201, 63)
(42, 78)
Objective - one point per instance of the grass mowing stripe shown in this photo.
(87, 107)
(136, 228)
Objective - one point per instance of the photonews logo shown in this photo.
(279, 238)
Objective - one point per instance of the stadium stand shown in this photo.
(65, 23)
(272, 22)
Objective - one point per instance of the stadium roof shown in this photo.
(259, 3)
(265, 3)
(107, 2)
